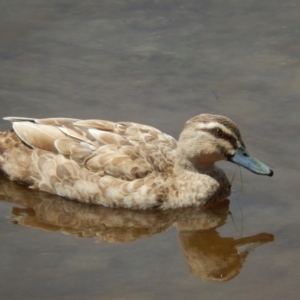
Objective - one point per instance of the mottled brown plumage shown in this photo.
(122, 164)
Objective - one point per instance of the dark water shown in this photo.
(157, 63)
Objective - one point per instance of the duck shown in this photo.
(125, 164)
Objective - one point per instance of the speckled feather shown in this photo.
(117, 164)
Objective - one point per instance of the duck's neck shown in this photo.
(197, 184)
(196, 165)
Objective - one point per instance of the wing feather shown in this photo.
(108, 138)
(123, 150)
(38, 135)
(98, 124)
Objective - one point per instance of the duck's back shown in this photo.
(52, 154)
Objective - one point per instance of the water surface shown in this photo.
(158, 63)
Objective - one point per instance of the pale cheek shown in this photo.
(231, 152)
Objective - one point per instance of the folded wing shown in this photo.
(123, 150)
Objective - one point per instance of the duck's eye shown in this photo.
(218, 132)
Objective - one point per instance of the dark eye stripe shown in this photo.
(225, 136)
(232, 140)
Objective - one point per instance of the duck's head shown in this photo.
(207, 139)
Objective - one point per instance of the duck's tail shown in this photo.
(15, 157)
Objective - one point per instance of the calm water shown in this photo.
(158, 63)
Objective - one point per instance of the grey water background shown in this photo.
(158, 63)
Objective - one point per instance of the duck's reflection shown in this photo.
(209, 255)
(213, 257)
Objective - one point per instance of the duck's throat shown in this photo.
(197, 165)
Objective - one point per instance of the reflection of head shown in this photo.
(216, 268)
(212, 257)
(209, 256)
